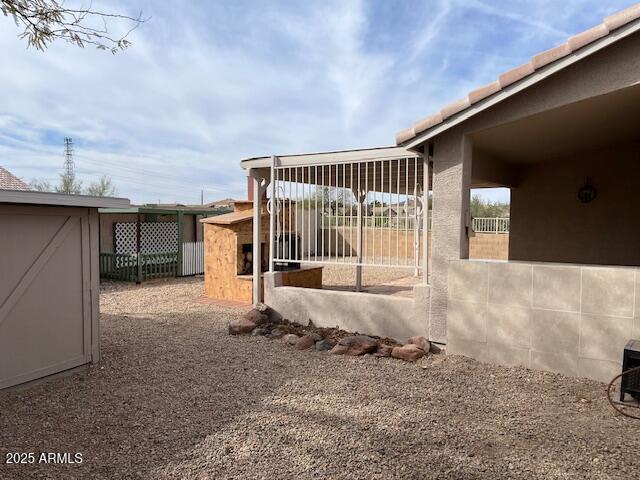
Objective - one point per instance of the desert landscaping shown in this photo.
(176, 396)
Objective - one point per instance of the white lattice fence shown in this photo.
(155, 237)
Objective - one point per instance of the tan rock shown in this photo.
(355, 345)
(305, 342)
(408, 352)
(241, 326)
(421, 342)
(383, 351)
(291, 338)
(256, 316)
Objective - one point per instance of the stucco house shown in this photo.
(561, 132)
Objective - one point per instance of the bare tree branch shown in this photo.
(47, 20)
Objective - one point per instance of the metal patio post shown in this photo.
(272, 213)
(257, 246)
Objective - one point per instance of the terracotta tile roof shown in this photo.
(8, 181)
(540, 60)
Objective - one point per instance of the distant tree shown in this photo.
(47, 20)
(102, 188)
(487, 209)
(41, 185)
(68, 184)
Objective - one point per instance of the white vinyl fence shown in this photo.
(192, 258)
(491, 225)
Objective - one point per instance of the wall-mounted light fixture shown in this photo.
(587, 192)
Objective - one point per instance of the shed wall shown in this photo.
(48, 291)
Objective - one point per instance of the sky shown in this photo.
(206, 84)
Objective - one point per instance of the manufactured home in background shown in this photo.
(561, 133)
(147, 242)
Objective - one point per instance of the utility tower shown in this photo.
(69, 167)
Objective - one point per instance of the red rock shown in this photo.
(421, 342)
(408, 352)
(383, 351)
(305, 342)
(339, 350)
(355, 345)
(256, 316)
(241, 326)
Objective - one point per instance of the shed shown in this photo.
(228, 255)
(49, 287)
(152, 241)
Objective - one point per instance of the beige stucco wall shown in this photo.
(549, 223)
(381, 315)
(616, 67)
(569, 319)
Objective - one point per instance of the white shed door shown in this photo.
(44, 292)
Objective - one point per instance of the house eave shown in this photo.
(417, 142)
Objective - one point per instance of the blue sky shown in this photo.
(208, 83)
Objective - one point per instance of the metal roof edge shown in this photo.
(61, 199)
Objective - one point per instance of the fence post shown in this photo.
(180, 244)
(138, 243)
(360, 198)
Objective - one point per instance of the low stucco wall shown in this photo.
(569, 319)
(381, 315)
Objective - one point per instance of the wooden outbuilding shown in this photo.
(228, 256)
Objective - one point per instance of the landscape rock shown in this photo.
(324, 345)
(355, 345)
(291, 338)
(276, 333)
(408, 352)
(261, 307)
(433, 348)
(241, 326)
(383, 351)
(256, 316)
(307, 341)
(421, 342)
(260, 332)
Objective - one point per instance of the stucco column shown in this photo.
(451, 184)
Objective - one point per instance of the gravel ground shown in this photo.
(176, 397)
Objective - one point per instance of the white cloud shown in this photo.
(208, 83)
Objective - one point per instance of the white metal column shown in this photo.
(257, 246)
(360, 199)
(272, 213)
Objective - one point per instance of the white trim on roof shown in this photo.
(344, 156)
(526, 82)
(61, 199)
